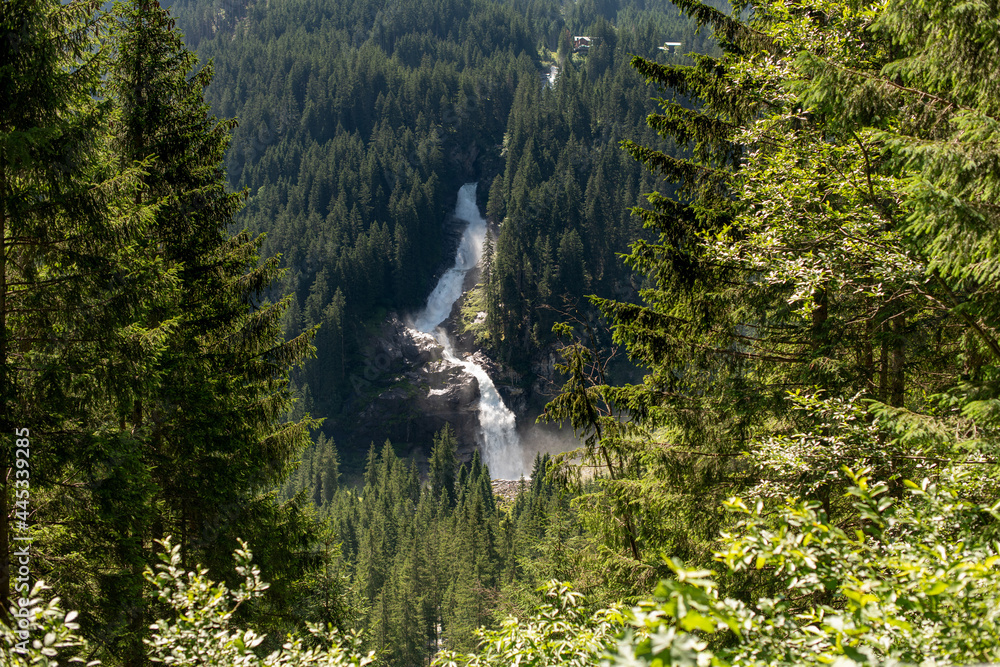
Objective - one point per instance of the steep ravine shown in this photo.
(419, 373)
(499, 442)
(414, 381)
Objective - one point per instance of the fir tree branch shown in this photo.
(968, 319)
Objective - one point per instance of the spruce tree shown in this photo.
(443, 466)
(827, 241)
(207, 419)
(70, 281)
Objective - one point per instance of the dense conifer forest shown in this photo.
(353, 142)
(766, 259)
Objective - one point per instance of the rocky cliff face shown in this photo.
(409, 392)
(525, 394)
(406, 391)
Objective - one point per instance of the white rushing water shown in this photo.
(500, 446)
(551, 77)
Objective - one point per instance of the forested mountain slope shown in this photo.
(806, 474)
(359, 120)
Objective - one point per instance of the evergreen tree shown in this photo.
(791, 276)
(204, 420)
(443, 466)
(70, 281)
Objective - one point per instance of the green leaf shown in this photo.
(938, 588)
(696, 621)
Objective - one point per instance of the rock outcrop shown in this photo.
(408, 393)
(507, 490)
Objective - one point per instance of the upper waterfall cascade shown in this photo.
(500, 445)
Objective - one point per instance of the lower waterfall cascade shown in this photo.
(501, 447)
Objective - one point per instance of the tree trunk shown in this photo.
(898, 361)
(868, 358)
(883, 364)
(819, 318)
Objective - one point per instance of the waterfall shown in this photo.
(500, 446)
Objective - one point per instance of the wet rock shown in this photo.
(413, 394)
(400, 343)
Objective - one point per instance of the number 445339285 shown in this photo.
(22, 477)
